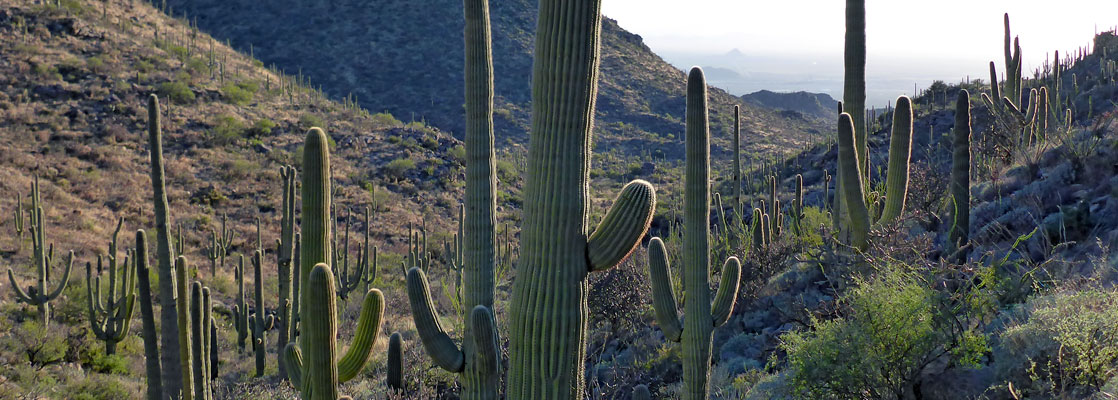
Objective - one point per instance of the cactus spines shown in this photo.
(175, 377)
(260, 322)
(622, 228)
(147, 318)
(286, 246)
(117, 310)
(696, 331)
(900, 153)
(395, 374)
(40, 295)
(960, 174)
(548, 307)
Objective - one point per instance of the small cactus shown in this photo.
(395, 375)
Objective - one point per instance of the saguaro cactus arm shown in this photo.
(368, 327)
(663, 294)
(435, 340)
(852, 189)
(624, 225)
(727, 293)
(900, 153)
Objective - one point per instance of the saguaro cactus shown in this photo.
(640, 392)
(696, 332)
(219, 245)
(478, 360)
(548, 307)
(856, 196)
(240, 310)
(39, 295)
(395, 374)
(318, 375)
(260, 322)
(960, 175)
(17, 220)
(185, 334)
(198, 328)
(176, 379)
(286, 246)
(117, 311)
(147, 316)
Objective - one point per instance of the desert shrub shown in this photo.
(895, 326)
(308, 121)
(458, 154)
(1063, 345)
(99, 387)
(620, 294)
(227, 129)
(236, 94)
(386, 119)
(111, 364)
(506, 171)
(177, 90)
(399, 168)
(38, 345)
(262, 127)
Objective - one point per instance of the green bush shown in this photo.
(386, 119)
(227, 129)
(262, 127)
(236, 94)
(177, 90)
(308, 121)
(399, 168)
(458, 154)
(100, 387)
(896, 325)
(1065, 345)
(111, 364)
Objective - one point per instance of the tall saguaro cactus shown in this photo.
(240, 310)
(854, 80)
(548, 307)
(478, 360)
(697, 330)
(960, 175)
(147, 316)
(116, 311)
(185, 336)
(175, 379)
(312, 366)
(39, 295)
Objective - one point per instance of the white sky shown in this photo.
(947, 38)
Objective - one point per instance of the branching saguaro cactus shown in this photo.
(697, 330)
(39, 295)
(478, 360)
(17, 220)
(219, 245)
(176, 379)
(147, 316)
(854, 189)
(318, 374)
(548, 307)
(350, 279)
(111, 319)
(260, 321)
(960, 176)
(285, 248)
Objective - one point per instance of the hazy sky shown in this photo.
(944, 39)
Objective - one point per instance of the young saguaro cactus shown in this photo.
(147, 316)
(478, 360)
(696, 331)
(176, 378)
(39, 295)
(17, 220)
(896, 182)
(395, 375)
(548, 308)
(318, 374)
(111, 319)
